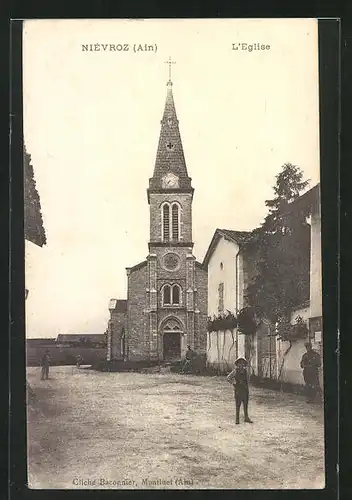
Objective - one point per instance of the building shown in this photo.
(81, 340)
(40, 342)
(35, 349)
(280, 359)
(310, 203)
(166, 307)
(66, 347)
(117, 329)
(230, 267)
(289, 356)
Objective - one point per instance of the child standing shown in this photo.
(239, 379)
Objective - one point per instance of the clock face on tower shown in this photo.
(170, 181)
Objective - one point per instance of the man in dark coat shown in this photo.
(190, 356)
(239, 379)
(310, 363)
(45, 363)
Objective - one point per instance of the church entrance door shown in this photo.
(172, 330)
(172, 346)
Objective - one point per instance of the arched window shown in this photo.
(167, 295)
(175, 222)
(166, 222)
(170, 222)
(176, 295)
(171, 295)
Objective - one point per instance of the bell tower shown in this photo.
(170, 182)
(171, 291)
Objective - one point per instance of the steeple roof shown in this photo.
(170, 157)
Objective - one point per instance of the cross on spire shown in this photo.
(169, 157)
(169, 62)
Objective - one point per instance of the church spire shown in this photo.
(169, 62)
(170, 157)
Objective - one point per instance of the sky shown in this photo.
(92, 123)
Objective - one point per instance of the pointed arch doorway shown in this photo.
(172, 334)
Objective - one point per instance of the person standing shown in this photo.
(189, 358)
(79, 360)
(45, 363)
(310, 363)
(239, 379)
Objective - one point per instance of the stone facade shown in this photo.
(117, 329)
(167, 293)
(137, 341)
(185, 202)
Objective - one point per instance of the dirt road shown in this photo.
(127, 430)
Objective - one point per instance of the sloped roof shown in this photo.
(307, 200)
(137, 266)
(238, 237)
(118, 305)
(33, 221)
(199, 264)
(170, 156)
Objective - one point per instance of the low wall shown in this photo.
(289, 363)
(223, 350)
(289, 369)
(65, 355)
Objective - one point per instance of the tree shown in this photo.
(282, 246)
(33, 221)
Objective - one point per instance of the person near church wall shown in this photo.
(189, 358)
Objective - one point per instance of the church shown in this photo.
(166, 306)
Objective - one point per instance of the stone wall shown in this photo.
(116, 328)
(200, 340)
(137, 340)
